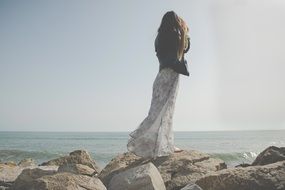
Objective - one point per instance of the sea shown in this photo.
(234, 147)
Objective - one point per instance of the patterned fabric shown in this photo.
(154, 136)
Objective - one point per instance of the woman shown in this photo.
(154, 136)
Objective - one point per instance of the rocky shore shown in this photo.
(186, 170)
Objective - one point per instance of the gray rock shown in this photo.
(144, 177)
(75, 157)
(267, 177)
(3, 188)
(243, 165)
(270, 155)
(27, 162)
(27, 176)
(8, 174)
(191, 187)
(37, 179)
(177, 170)
(10, 171)
(77, 169)
(5, 185)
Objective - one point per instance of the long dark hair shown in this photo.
(170, 28)
(169, 22)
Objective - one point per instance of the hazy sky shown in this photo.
(90, 65)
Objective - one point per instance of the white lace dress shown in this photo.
(154, 136)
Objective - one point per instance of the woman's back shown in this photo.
(166, 47)
(166, 44)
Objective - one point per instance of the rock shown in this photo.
(9, 172)
(75, 157)
(144, 177)
(28, 175)
(270, 155)
(267, 177)
(10, 163)
(118, 164)
(60, 181)
(191, 187)
(5, 185)
(27, 162)
(177, 170)
(3, 188)
(243, 165)
(77, 169)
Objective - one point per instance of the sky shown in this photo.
(90, 65)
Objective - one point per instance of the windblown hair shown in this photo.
(170, 29)
(169, 22)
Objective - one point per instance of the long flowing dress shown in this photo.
(154, 136)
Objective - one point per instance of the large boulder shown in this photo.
(270, 155)
(24, 180)
(138, 178)
(37, 180)
(10, 171)
(77, 169)
(8, 174)
(75, 157)
(267, 177)
(177, 169)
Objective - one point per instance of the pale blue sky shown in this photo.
(89, 65)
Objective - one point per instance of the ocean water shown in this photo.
(234, 147)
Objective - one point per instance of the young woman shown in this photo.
(154, 136)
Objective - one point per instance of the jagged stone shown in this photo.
(77, 169)
(270, 155)
(177, 169)
(75, 157)
(267, 177)
(138, 178)
(40, 180)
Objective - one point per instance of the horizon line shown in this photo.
(233, 130)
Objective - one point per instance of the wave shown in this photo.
(42, 156)
(18, 155)
(231, 159)
(235, 158)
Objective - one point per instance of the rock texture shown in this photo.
(25, 179)
(9, 172)
(270, 155)
(77, 169)
(72, 172)
(177, 170)
(28, 162)
(267, 177)
(75, 157)
(38, 180)
(186, 170)
(144, 177)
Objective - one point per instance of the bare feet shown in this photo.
(176, 149)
